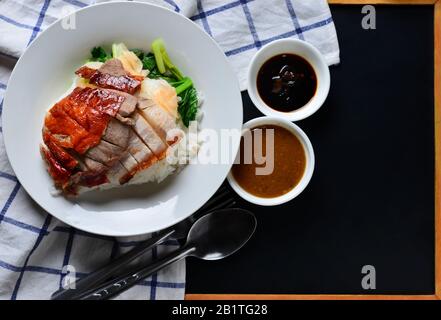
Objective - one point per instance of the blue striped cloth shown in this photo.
(37, 252)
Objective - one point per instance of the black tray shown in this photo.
(371, 198)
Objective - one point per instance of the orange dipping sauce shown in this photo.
(289, 164)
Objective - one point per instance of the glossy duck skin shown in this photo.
(112, 76)
(74, 128)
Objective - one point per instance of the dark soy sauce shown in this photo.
(286, 82)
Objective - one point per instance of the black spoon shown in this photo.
(212, 237)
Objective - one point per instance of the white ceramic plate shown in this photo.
(45, 72)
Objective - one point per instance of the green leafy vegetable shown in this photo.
(188, 106)
(157, 46)
(149, 62)
(182, 85)
(163, 61)
(160, 66)
(139, 53)
(99, 54)
(155, 74)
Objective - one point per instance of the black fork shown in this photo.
(223, 198)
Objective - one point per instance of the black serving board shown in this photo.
(371, 199)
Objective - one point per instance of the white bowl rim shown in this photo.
(307, 175)
(323, 81)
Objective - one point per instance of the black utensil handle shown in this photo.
(105, 272)
(123, 283)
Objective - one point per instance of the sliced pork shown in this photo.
(105, 153)
(149, 136)
(163, 123)
(117, 133)
(92, 165)
(137, 158)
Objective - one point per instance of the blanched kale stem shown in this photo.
(163, 60)
(182, 85)
(157, 46)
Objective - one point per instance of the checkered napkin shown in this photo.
(38, 254)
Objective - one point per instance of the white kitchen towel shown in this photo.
(37, 252)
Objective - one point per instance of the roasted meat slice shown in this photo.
(92, 165)
(139, 158)
(128, 105)
(59, 174)
(67, 133)
(142, 154)
(149, 136)
(87, 179)
(81, 118)
(105, 153)
(113, 67)
(130, 164)
(163, 123)
(111, 75)
(94, 174)
(118, 172)
(117, 133)
(64, 158)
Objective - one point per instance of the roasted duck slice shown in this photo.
(111, 75)
(79, 120)
(59, 174)
(64, 158)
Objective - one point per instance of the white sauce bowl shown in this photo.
(307, 174)
(310, 54)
